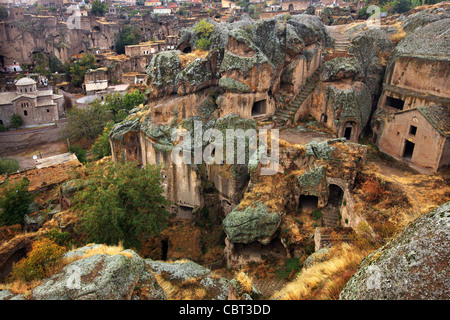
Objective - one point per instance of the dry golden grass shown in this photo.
(245, 282)
(187, 58)
(397, 37)
(110, 250)
(185, 290)
(20, 287)
(325, 280)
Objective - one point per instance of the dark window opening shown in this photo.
(308, 202)
(164, 249)
(335, 196)
(412, 130)
(395, 103)
(187, 50)
(409, 149)
(48, 110)
(323, 118)
(185, 212)
(259, 108)
(25, 113)
(348, 133)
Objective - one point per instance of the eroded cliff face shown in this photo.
(22, 38)
(246, 74)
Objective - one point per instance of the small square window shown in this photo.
(412, 130)
(48, 110)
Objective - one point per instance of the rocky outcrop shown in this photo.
(423, 18)
(99, 272)
(98, 277)
(414, 265)
(372, 47)
(340, 68)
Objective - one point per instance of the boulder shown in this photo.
(414, 265)
(188, 280)
(98, 277)
(254, 223)
(340, 68)
(372, 47)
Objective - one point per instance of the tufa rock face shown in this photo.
(412, 266)
(340, 68)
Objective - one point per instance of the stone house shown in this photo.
(411, 120)
(420, 135)
(36, 107)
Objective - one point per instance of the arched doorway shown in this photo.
(335, 196)
(349, 130)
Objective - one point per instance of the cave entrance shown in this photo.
(188, 49)
(335, 196)
(259, 108)
(164, 249)
(409, 149)
(6, 269)
(185, 212)
(308, 202)
(323, 118)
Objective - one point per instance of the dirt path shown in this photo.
(25, 157)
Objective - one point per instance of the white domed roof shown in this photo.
(26, 81)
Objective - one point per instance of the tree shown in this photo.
(129, 36)
(102, 147)
(121, 203)
(14, 201)
(99, 8)
(76, 70)
(204, 30)
(16, 120)
(87, 122)
(401, 6)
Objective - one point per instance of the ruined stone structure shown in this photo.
(35, 106)
(248, 73)
(412, 118)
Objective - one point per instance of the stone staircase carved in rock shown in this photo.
(283, 115)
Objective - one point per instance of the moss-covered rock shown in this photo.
(254, 223)
(340, 68)
(412, 266)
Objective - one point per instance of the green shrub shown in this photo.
(14, 201)
(16, 120)
(8, 166)
(2, 128)
(204, 30)
(101, 147)
(44, 257)
(317, 214)
(79, 152)
(291, 268)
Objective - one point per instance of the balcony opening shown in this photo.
(395, 103)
